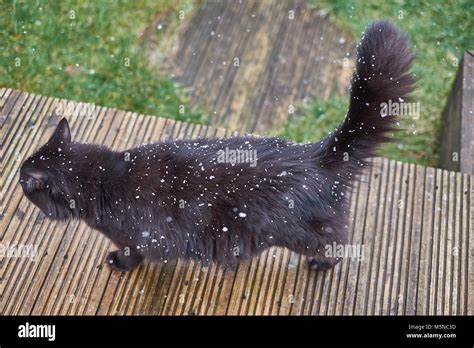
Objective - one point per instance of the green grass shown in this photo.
(89, 51)
(439, 31)
(320, 118)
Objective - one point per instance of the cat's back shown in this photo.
(233, 153)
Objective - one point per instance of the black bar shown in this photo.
(192, 330)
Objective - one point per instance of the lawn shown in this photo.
(90, 51)
(440, 31)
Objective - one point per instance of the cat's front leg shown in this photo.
(124, 259)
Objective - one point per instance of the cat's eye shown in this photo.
(33, 184)
(33, 179)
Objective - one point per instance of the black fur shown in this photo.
(175, 199)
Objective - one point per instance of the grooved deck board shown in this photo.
(415, 225)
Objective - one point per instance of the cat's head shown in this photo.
(45, 176)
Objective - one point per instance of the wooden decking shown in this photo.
(250, 64)
(415, 224)
(457, 138)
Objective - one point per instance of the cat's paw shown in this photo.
(115, 262)
(320, 265)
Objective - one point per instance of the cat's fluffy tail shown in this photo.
(382, 75)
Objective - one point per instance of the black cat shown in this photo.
(225, 200)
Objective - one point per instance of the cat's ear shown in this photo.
(62, 133)
(35, 179)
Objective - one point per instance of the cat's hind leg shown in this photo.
(123, 260)
(320, 262)
(330, 239)
(319, 245)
